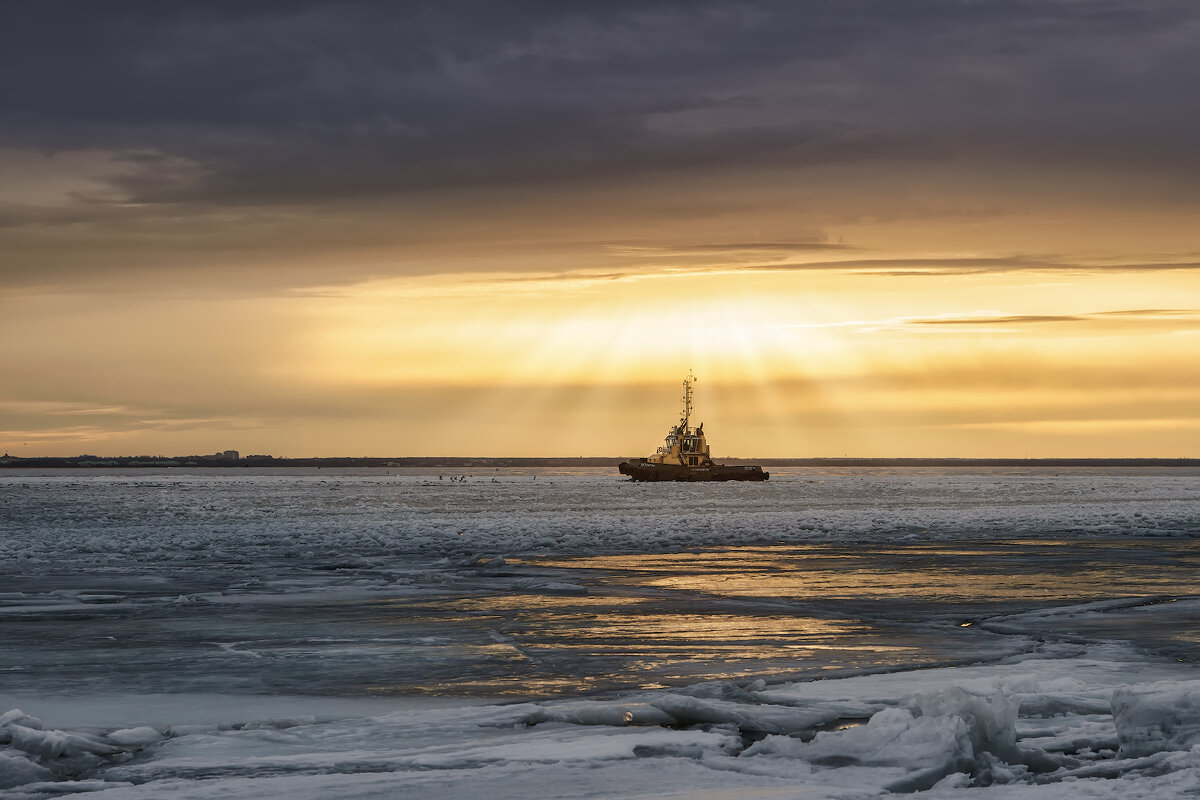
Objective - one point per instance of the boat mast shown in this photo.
(687, 402)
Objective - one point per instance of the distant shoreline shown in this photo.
(93, 462)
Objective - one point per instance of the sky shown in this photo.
(879, 228)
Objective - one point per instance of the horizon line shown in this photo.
(223, 460)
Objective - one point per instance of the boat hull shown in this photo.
(650, 471)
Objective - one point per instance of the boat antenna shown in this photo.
(687, 401)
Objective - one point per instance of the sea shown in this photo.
(564, 632)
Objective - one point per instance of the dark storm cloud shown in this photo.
(302, 102)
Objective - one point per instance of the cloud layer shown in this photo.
(313, 105)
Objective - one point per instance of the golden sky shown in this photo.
(903, 244)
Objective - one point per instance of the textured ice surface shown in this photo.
(1157, 716)
(338, 518)
(240, 635)
(947, 730)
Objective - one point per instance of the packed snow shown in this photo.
(372, 634)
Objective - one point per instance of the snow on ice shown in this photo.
(1029, 725)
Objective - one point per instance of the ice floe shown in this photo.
(946, 731)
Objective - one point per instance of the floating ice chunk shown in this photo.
(1153, 717)
(135, 737)
(18, 770)
(748, 718)
(955, 780)
(719, 690)
(71, 787)
(1054, 705)
(989, 770)
(990, 720)
(17, 717)
(55, 744)
(1069, 735)
(895, 738)
(945, 733)
(592, 712)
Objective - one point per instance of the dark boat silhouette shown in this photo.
(685, 456)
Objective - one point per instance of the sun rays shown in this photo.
(790, 361)
(794, 361)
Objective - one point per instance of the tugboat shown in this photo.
(685, 456)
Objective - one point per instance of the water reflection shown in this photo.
(546, 626)
(998, 572)
(610, 639)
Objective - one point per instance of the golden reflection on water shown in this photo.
(520, 601)
(1012, 571)
(632, 626)
(526, 643)
(655, 620)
